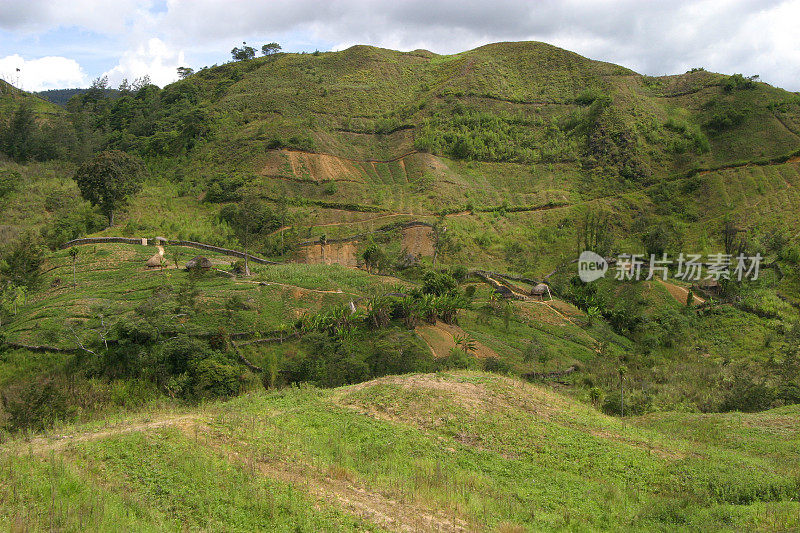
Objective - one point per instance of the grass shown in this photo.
(471, 448)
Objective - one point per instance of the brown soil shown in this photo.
(439, 338)
(418, 241)
(314, 167)
(344, 254)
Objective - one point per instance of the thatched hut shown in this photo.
(155, 261)
(540, 290)
(198, 263)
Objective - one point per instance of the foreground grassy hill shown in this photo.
(458, 451)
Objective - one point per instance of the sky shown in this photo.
(58, 44)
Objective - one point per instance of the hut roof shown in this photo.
(154, 261)
(708, 283)
(540, 288)
(198, 262)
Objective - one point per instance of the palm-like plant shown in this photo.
(410, 311)
(378, 312)
(465, 343)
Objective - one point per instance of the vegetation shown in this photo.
(307, 377)
(109, 179)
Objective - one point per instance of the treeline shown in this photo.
(141, 119)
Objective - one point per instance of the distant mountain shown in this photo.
(62, 96)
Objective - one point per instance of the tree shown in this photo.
(270, 49)
(73, 253)
(109, 179)
(594, 232)
(465, 343)
(730, 239)
(250, 219)
(22, 261)
(243, 53)
(141, 83)
(622, 370)
(661, 236)
(374, 257)
(185, 72)
(11, 298)
(18, 139)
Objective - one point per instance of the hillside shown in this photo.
(462, 451)
(385, 342)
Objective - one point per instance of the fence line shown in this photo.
(153, 242)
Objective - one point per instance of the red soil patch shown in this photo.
(344, 254)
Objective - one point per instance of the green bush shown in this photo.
(22, 261)
(439, 283)
(71, 224)
(36, 404)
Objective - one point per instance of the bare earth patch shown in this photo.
(440, 339)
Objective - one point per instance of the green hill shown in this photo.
(401, 207)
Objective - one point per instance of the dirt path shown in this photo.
(339, 486)
(58, 442)
(326, 486)
(679, 293)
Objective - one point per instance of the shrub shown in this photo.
(9, 182)
(458, 360)
(36, 404)
(739, 82)
(494, 364)
(438, 283)
(72, 224)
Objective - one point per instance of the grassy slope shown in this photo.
(421, 451)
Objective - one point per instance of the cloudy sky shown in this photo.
(56, 44)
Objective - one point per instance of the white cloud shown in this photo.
(43, 73)
(101, 16)
(153, 58)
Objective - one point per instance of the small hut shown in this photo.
(198, 263)
(708, 285)
(155, 261)
(540, 290)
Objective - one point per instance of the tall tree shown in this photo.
(243, 53)
(270, 49)
(18, 139)
(109, 179)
